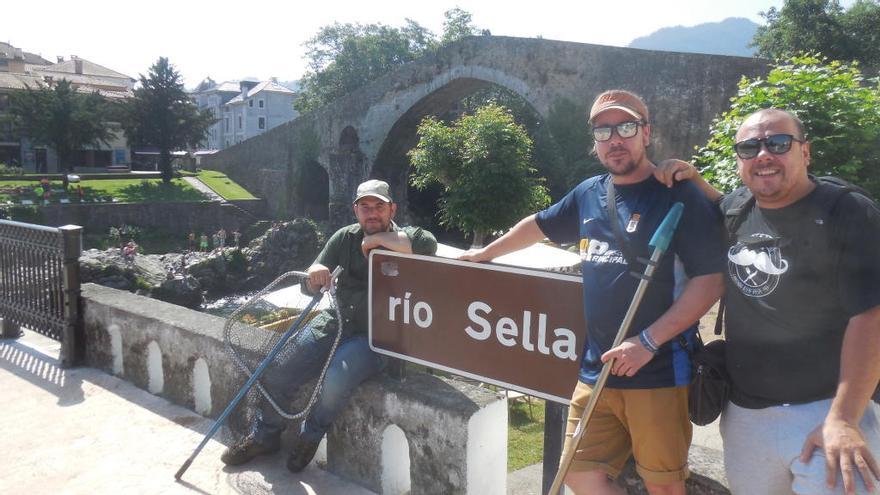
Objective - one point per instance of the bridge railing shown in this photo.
(40, 284)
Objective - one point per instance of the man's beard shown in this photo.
(371, 229)
(626, 168)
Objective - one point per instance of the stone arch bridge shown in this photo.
(312, 165)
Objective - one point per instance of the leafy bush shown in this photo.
(839, 108)
(478, 160)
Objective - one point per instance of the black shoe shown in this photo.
(247, 448)
(302, 454)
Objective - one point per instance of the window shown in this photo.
(262, 104)
(227, 123)
(261, 123)
(239, 121)
(251, 103)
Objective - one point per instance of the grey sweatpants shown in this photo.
(762, 449)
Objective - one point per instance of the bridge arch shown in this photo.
(391, 162)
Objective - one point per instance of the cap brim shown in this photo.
(618, 107)
(383, 198)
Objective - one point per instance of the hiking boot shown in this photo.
(302, 454)
(247, 448)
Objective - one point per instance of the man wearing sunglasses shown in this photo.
(803, 320)
(643, 409)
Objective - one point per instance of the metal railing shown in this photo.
(40, 284)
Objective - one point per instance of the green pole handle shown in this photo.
(663, 235)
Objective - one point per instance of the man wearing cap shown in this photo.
(353, 362)
(643, 409)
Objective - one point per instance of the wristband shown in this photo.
(648, 342)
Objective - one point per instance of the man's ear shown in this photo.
(393, 209)
(646, 135)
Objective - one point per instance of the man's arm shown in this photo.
(522, 235)
(839, 435)
(671, 171)
(698, 296)
(393, 241)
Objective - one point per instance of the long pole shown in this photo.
(660, 242)
(256, 375)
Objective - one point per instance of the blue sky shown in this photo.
(237, 39)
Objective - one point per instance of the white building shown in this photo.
(244, 109)
(20, 70)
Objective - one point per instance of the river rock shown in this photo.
(283, 247)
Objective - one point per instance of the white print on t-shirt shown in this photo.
(596, 251)
(756, 269)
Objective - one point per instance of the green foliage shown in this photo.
(161, 114)
(345, 57)
(457, 25)
(10, 170)
(59, 116)
(822, 26)
(839, 109)
(480, 159)
(567, 154)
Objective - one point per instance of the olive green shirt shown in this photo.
(344, 249)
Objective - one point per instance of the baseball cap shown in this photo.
(375, 188)
(620, 100)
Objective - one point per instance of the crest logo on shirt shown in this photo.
(633, 223)
(756, 264)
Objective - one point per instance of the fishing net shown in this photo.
(253, 330)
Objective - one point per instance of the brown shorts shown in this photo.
(652, 424)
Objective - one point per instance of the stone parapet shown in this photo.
(421, 435)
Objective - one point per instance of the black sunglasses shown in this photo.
(625, 130)
(778, 144)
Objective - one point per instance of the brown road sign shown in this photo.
(519, 329)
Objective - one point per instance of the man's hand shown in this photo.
(319, 276)
(629, 357)
(392, 241)
(670, 171)
(845, 449)
(476, 255)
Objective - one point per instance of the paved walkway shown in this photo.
(82, 431)
(203, 188)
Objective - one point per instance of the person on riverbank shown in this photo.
(353, 361)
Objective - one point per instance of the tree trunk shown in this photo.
(165, 165)
(479, 237)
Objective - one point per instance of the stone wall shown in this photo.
(423, 435)
(172, 216)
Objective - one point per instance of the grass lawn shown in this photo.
(124, 190)
(525, 435)
(223, 185)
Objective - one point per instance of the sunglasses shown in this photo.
(778, 144)
(625, 130)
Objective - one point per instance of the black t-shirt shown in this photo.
(796, 275)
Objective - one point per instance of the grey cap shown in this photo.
(374, 187)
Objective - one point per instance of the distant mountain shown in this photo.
(728, 37)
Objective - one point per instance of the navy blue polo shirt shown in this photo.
(582, 217)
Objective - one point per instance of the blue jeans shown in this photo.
(353, 363)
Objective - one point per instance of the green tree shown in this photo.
(480, 159)
(839, 109)
(60, 117)
(457, 25)
(161, 114)
(822, 26)
(345, 57)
